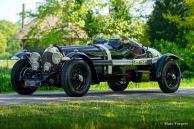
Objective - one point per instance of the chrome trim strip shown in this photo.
(143, 61)
(108, 55)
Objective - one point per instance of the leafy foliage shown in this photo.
(7, 28)
(3, 44)
(171, 29)
(86, 15)
(7, 45)
(161, 27)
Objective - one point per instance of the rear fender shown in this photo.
(163, 59)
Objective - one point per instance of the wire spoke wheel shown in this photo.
(19, 72)
(170, 79)
(76, 78)
(118, 85)
(171, 76)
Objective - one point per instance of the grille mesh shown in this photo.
(47, 57)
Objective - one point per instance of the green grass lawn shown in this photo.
(8, 64)
(157, 113)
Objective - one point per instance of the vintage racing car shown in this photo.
(75, 68)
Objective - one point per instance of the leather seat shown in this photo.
(138, 52)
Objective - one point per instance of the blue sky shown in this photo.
(9, 9)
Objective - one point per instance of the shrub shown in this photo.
(185, 53)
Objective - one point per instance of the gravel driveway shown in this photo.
(45, 97)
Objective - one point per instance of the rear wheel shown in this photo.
(170, 78)
(118, 85)
(76, 78)
(19, 70)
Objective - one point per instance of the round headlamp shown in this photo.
(57, 57)
(34, 57)
(35, 66)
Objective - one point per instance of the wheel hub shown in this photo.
(173, 76)
(81, 78)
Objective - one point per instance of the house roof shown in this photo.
(70, 30)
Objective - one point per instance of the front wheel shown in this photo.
(118, 85)
(76, 78)
(18, 71)
(170, 78)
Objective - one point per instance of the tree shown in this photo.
(171, 29)
(7, 28)
(161, 27)
(7, 45)
(3, 44)
(68, 11)
(185, 25)
(86, 15)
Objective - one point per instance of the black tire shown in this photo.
(76, 78)
(170, 78)
(118, 85)
(18, 85)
